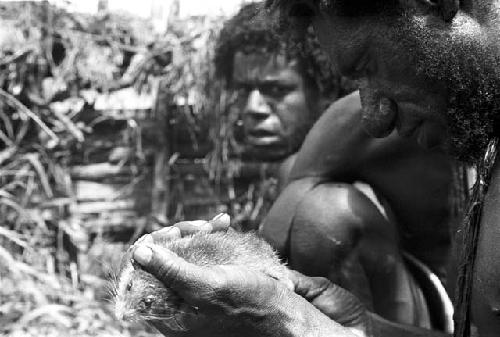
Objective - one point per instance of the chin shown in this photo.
(469, 137)
(266, 153)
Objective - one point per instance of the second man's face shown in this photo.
(273, 103)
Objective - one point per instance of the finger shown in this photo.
(308, 287)
(221, 222)
(334, 301)
(449, 9)
(165, 235)
(190, 281)
(193, 227)
(146, 239)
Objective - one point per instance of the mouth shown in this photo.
(262, 137)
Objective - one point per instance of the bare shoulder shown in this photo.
(330, 202)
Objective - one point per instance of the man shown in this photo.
(281, 88)
(402, 51)
(326, 224)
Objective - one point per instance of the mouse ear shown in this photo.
(449, 9)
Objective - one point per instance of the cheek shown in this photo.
(293, 111)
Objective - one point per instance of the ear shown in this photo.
(448, 8)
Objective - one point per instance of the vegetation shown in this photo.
(52, 65)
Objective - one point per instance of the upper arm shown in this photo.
(332, 146)
(328, 225)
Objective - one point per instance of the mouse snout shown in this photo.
(146, 303)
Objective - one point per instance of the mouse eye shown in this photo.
(148, 302)
(129, 286)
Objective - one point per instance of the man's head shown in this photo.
(425, 65)
(283, 84)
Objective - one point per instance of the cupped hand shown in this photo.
(245, 302)
(241, 301)
(222, 292)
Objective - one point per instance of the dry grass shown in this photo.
(45, 290)
(53, 279)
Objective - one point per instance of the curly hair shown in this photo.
(255, 30)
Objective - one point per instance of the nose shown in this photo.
(257, 106)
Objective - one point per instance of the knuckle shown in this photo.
(218, 283)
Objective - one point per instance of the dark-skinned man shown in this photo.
(275, 101)
(427, 71)
(326, 224)
(281, 91)
(282, 87)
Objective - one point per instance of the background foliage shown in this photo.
(53, 64)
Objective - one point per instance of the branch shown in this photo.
(14, 102)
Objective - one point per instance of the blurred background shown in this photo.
(111, 126)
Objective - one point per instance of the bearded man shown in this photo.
(430, 69)
(330, 224)
(327, 223)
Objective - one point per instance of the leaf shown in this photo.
(7, 154)
(58, 313)
(14, 102)
(14, 237)
(33, 158)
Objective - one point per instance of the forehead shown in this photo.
(308, 8)
(257, 67)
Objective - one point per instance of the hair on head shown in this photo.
(255, 29)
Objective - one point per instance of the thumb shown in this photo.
(334, 301)
(221, 222)
(188, 280)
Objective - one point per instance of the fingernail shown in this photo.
(145, 239)
(223, 217)
(218, 216)
(143, 255)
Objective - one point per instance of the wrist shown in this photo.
(293, 316)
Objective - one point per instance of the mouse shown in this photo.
(139, 296)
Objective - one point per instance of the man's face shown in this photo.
(422, 75)
(273, 102)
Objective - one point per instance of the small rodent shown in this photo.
(140, 296)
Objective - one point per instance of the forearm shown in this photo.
(309, 322)
(296, 317)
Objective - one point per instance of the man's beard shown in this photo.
(470, 71)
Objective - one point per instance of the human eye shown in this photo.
(277, 89)
(242, 88)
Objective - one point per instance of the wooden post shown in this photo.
(160, 187)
